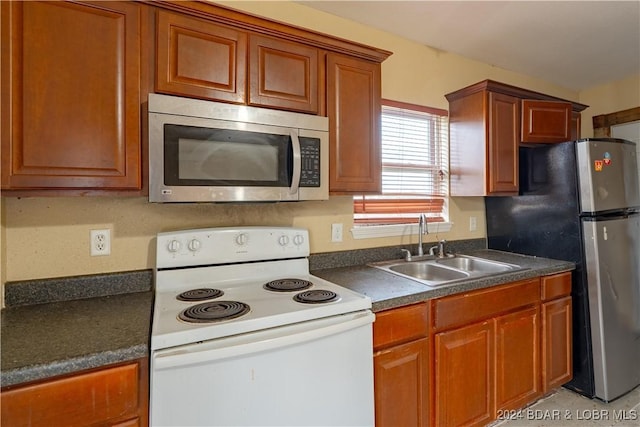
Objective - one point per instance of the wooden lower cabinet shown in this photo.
(557, 368)
(114, 396)
(464, 375)
(401, 383)
(463, 359)
(517, 359)
(498, 357)
(557, 341)
(402, 363)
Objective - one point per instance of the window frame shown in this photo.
(363, 230)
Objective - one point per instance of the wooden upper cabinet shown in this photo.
(283, 74)
(200, 59)
(354, 109)
(546, 121)
(484, 129)
(489, 120)
(71, 95)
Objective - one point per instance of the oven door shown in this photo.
(313, 373)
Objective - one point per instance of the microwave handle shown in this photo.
(297, 162)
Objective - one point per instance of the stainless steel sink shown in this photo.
(428, 271)
(433, 271)
(476, 265)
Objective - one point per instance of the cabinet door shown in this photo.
(464, 375)
(517, 359)
(504, 133)
(353, 104)
(200, 59)
(71, 95)
(557, 364)
(283, 74)
(401, 385)
(94, 398)
(546, 121)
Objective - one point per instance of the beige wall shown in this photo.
(49, 237)
(608, 98)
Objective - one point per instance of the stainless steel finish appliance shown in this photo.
(580, 201)
(203, 151)
(243, 335)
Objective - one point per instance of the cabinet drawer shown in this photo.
(556, 286)
(79, 400)
(462, 309)
(400, 325)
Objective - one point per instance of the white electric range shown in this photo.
(254, 337)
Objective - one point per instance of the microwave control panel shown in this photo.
(310, 157)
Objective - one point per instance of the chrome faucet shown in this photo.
(423, 228)
(440, 247)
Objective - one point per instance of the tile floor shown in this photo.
(566, 408)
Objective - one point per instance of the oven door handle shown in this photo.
(297, 162)
(214, 350)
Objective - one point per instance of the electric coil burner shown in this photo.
(200, 294)
(318, 296)
(214, 311)
(239, 318)
(288, 285)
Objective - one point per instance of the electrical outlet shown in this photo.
(100, 242)
(473, 223)
(336, 232)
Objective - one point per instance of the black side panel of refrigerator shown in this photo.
(544, 221)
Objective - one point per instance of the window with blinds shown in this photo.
(414, 167)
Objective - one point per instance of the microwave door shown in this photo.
(297, 163)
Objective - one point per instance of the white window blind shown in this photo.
(414, 167)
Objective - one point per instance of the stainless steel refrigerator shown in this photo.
(580, 201)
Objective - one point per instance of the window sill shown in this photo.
(377, 231)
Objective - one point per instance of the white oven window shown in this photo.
(225, 160)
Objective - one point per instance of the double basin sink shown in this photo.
(434, 272)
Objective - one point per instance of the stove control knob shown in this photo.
(194, 245)
(174, 246)
(298, 239)
(242, 239)
(283, 240)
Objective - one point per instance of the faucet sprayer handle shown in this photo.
(407, 254)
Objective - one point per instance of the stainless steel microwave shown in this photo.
(204, 151)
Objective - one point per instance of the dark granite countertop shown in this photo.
(63, 336)
(387, 290)
(71, 324)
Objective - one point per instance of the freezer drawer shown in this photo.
(612, 255)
